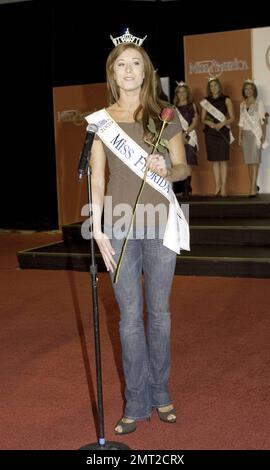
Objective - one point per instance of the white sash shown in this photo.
(256, 129)
(193, 141)
(124, 147)
(211, 109)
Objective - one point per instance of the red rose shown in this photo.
(167, 114)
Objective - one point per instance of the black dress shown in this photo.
(187, 111)
(217, 142)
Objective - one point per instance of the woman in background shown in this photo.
(252, 131)
(188, 115)
(217, 115)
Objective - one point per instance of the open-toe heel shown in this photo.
(217, 191)
(167, 416)
(126, 428)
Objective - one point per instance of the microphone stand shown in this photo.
(102, 444)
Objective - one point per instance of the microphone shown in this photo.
(90, 134)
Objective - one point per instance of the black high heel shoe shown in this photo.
(127, 428)
(167, 416)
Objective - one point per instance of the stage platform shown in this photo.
(229, 237)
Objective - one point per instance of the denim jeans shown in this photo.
(145, 351)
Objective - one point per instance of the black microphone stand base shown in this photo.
(109, 445)
(101, 444)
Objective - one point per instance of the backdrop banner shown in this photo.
(71, 104)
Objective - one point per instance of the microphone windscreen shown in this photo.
(92, 128)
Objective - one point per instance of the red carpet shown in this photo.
(220, 374)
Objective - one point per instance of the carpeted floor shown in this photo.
(220, 377)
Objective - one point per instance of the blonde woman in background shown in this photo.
(188, 115)
(252, 131)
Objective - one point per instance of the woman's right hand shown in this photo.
(106, 250)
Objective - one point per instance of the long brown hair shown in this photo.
(208, 91)
(150, 104)
(176, 100)
(255, 90)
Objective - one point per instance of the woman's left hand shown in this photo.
(219, 126)
(156, 162)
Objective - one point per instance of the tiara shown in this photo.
(180, 83)
(248, 80)
(211, 78)
(127, 38)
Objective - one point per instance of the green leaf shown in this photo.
(160, 148)
(151, 126)
(164, 143)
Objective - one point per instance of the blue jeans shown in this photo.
(145, 354)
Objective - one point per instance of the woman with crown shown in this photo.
(252, 131)
(125, 141)
(188, 115)
(217, 115)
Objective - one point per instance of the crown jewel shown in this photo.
(181, 83)
(127, 37)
